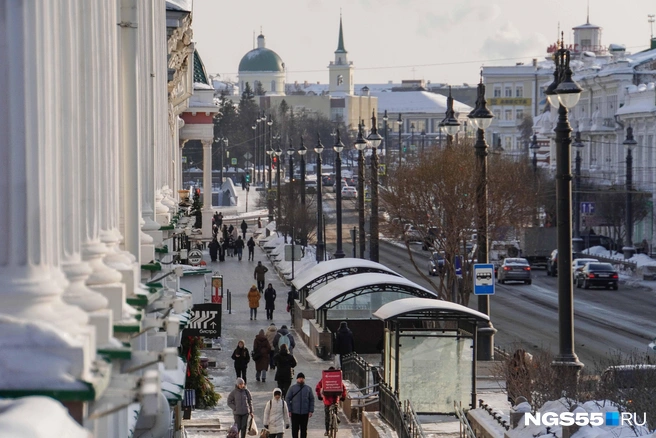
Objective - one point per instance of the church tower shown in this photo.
(341, 70)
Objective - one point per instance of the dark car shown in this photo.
(436, 264)
(514, 269)
(599, 275)
(552, 263)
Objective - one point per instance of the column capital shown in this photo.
(207, 143)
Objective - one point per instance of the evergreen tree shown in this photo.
(197, 379)
(259, 89)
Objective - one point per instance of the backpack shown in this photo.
(284, 340)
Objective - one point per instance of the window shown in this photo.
(519, 114)
(519, 91)
(508, 114)
(508, 92)
(497, 114)
(508, 141)
(273, 86)
(497, 92)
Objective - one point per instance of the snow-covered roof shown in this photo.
(38, 417)
(422, 102)
(346, 285)
(179, 5)
(409, 305)
(333, 265)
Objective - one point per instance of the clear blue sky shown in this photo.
(437, 40)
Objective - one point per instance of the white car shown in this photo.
(349, 192)
(578, 264)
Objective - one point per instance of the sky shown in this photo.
(390, 40)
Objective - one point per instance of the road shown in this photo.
(526, 316)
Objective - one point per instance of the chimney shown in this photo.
(535, 62)
(653, 43)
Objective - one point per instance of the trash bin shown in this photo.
(320, 351)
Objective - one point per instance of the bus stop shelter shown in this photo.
(355, 298)
(430, 352)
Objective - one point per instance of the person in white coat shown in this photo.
(276, 415)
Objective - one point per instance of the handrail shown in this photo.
(499, 419)
(465, 427)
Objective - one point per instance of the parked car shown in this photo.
(344, 184)
(514, 269)
(578, 264)
(435, 264)
(411, 234)
(597, 274)
(310, 186)
(349, 192)
(552, 263)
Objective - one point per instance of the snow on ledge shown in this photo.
(17, 419)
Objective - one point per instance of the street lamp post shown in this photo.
(481, 118)
(318, 149)
(385, 118)
(269, 123)
(374, 141)
(338, 147)
(412, 137)
(302, 151)
(577, 242)
(290, 205)
(270, 152)
(629, 250)
(423, 139)
(534, 147)
(223, 152)
(450, 125)
(278, 153)
(361, 145)
(399, 122)
(564, 93)
(255, 128)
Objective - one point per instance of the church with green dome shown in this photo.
(262, 66)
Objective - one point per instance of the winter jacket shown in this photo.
(240, 401)
(241, 357)
(344, 342)
(260, 270)
(284, 331)
(244, 226)
(300, 399)
(239, 243)
(250, 244)
(284, 364)
(261, 345)
(276, 414)
(329, 398)
(271, 334)
(270, 298)
(253, 298)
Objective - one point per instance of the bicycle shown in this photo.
(334, 421)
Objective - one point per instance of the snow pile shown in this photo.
(37, 417)
(640, 260)
(277, 242)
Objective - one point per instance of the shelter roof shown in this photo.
(337, 268)
(344, 288)
(417, 307)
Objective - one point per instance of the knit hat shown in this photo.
(300, 376)
(240, 381)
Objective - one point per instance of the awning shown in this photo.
(411, 308)
(337, 268)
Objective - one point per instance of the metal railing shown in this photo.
(401, 417)
(356, 370)
(466, 430)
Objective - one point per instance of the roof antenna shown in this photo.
(253, 39)
(588, 20)
(260, 30)
(650, 19)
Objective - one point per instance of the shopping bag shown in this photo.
(264, 433)
(252, 428)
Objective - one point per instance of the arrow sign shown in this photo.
(205, 321)
(248, 155)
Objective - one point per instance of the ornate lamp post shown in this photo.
(361, 145)
(374, 141)
(412, 137)
(534, 147)
(302, 151)
(318, 149)
(290, 210)
(399, 122)
(338, 147)
(223, 152)
(278, 153)
(564, 93)
(450, 125)
(270, 152)
(255, 128)
(577, 242)
(629, 250)
(269, 123)
(481, 118)
(423, 139)
(385, 118)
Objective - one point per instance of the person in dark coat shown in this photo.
(259, 275)
(231, 246)
(244, 227)
(285, 363)
(240, 401)
(230, 228)
(269, 300)
(241, 358)
(251, 249)
(300, 399)
(259, 223)
(239, 247)
(291, 296)
(218, 219)
(214, 248)
(261, 345)
(222, 250)
(344, 342)
(224, 231)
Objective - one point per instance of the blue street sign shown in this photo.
(588, 207)
(483, 279)
(458, 267)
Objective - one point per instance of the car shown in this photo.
(411, 234)
(311, 186)
(552, 263)
(349, 192)
(429, 239)
(436, 264)
(597, 274)
(514, 269)
(578, 264)
(344, 184)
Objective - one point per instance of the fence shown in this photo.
(466, 430)
(356, 370)
(401, 417)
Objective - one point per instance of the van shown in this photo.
(590, 240)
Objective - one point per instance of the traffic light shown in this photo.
(275, 162)
(405, 148)
(248, 177)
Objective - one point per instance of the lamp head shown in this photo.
(534, 142)
(480, 116)
(338, 146)
(360, 143)
(399, 120)
(302, 150)
(318, 148)
(278, 151)
(290, 149)
(629, 143)
(374, 137)
(568, 91)
(385, 116)
(270, 121)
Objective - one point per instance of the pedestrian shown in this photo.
(283, 337)
(234, 233)
(224, 232)
(329, 399)
(344, 342)
(222, 250)
(215, 218)
(251, 249)
(269, 301)
(215, 231)
(231, 246)
(253, 301)
(244, 227)
(291, 296)
(241, 358)
(239, 247)
(259, 275)
(240, 401)
(214, 249)
(261, 352)
(285, 363)
(218, 219)
(300, 399)
(270, 335)
(230, 229)
(259, 223)
(276, 415)
(243, 182)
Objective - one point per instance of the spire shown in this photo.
(340, 43)
(588, 19)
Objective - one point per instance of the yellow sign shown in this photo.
(519, 101)
(382, 169)
(216, 282)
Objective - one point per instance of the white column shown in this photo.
(32, 306)
(207, 189)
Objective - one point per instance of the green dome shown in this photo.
(261, 59)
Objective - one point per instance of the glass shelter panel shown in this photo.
(363, 306)
(435, 370)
